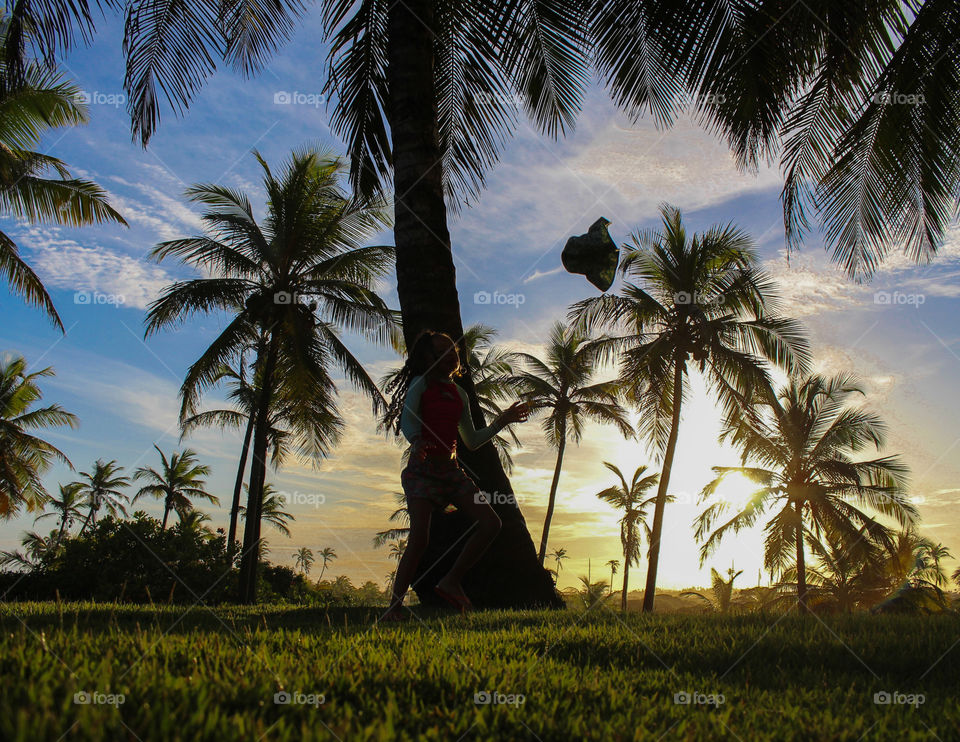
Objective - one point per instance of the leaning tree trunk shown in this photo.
(626, 579)
(553, 493)
(801, 566)
(508, 574)
(654, 552)
(250, 557)
(237, 487)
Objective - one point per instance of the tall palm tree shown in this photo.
(327, 555)
(272, 511)
(67, 509)
(34, 186)
(721, 598)
(102, 489)
(561, 385)
(23, 456)
(614, 565)
(245, 395)
(309, 247)
(178, 483)
(804, 440)
(632, 500)
(304, 559)
(700, 299)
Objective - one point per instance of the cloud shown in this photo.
(65, 263)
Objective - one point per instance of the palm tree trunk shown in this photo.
(654, 552)
(553, 492)
(166, 512)
(237, 487)
(801, 566)
(250, 557)
(626, 579)
(508, 574)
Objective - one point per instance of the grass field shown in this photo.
(168, 673)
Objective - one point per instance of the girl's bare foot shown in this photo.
(394, 614)
(453, 588)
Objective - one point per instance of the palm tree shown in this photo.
(304, 560)
(399, 515)
(614, 565)
(558, 555)
(703, 299)
(593, 593)
(397, 548)
(36, 548)
(632, 500)
(178, 483)
(23, 456)
(192, 521)
(37, 102)
(804, 439)
(721, 598)
(308, 246)
(561, 384)
(102, 489)
(327, 555)
(67, 508)
(272, 511)
(846, 576)
(245, 395)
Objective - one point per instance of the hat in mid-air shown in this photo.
(593, 254)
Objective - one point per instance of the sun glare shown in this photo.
(736, 489)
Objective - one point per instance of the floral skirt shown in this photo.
(436, 478)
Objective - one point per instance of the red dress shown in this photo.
(432, 471)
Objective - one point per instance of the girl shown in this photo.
(434, 410)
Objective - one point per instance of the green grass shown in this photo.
(212, 674)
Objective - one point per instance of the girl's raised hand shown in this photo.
(516, 413)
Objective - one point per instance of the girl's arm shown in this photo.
(410, 422)
(471, 437)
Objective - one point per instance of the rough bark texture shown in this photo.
(650, 591)
(509, 574)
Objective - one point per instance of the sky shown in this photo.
(897, 332)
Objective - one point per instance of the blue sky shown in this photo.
(124, 388)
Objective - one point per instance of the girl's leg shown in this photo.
(486, 529)
(419, 509)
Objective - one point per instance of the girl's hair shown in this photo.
(421, 360)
